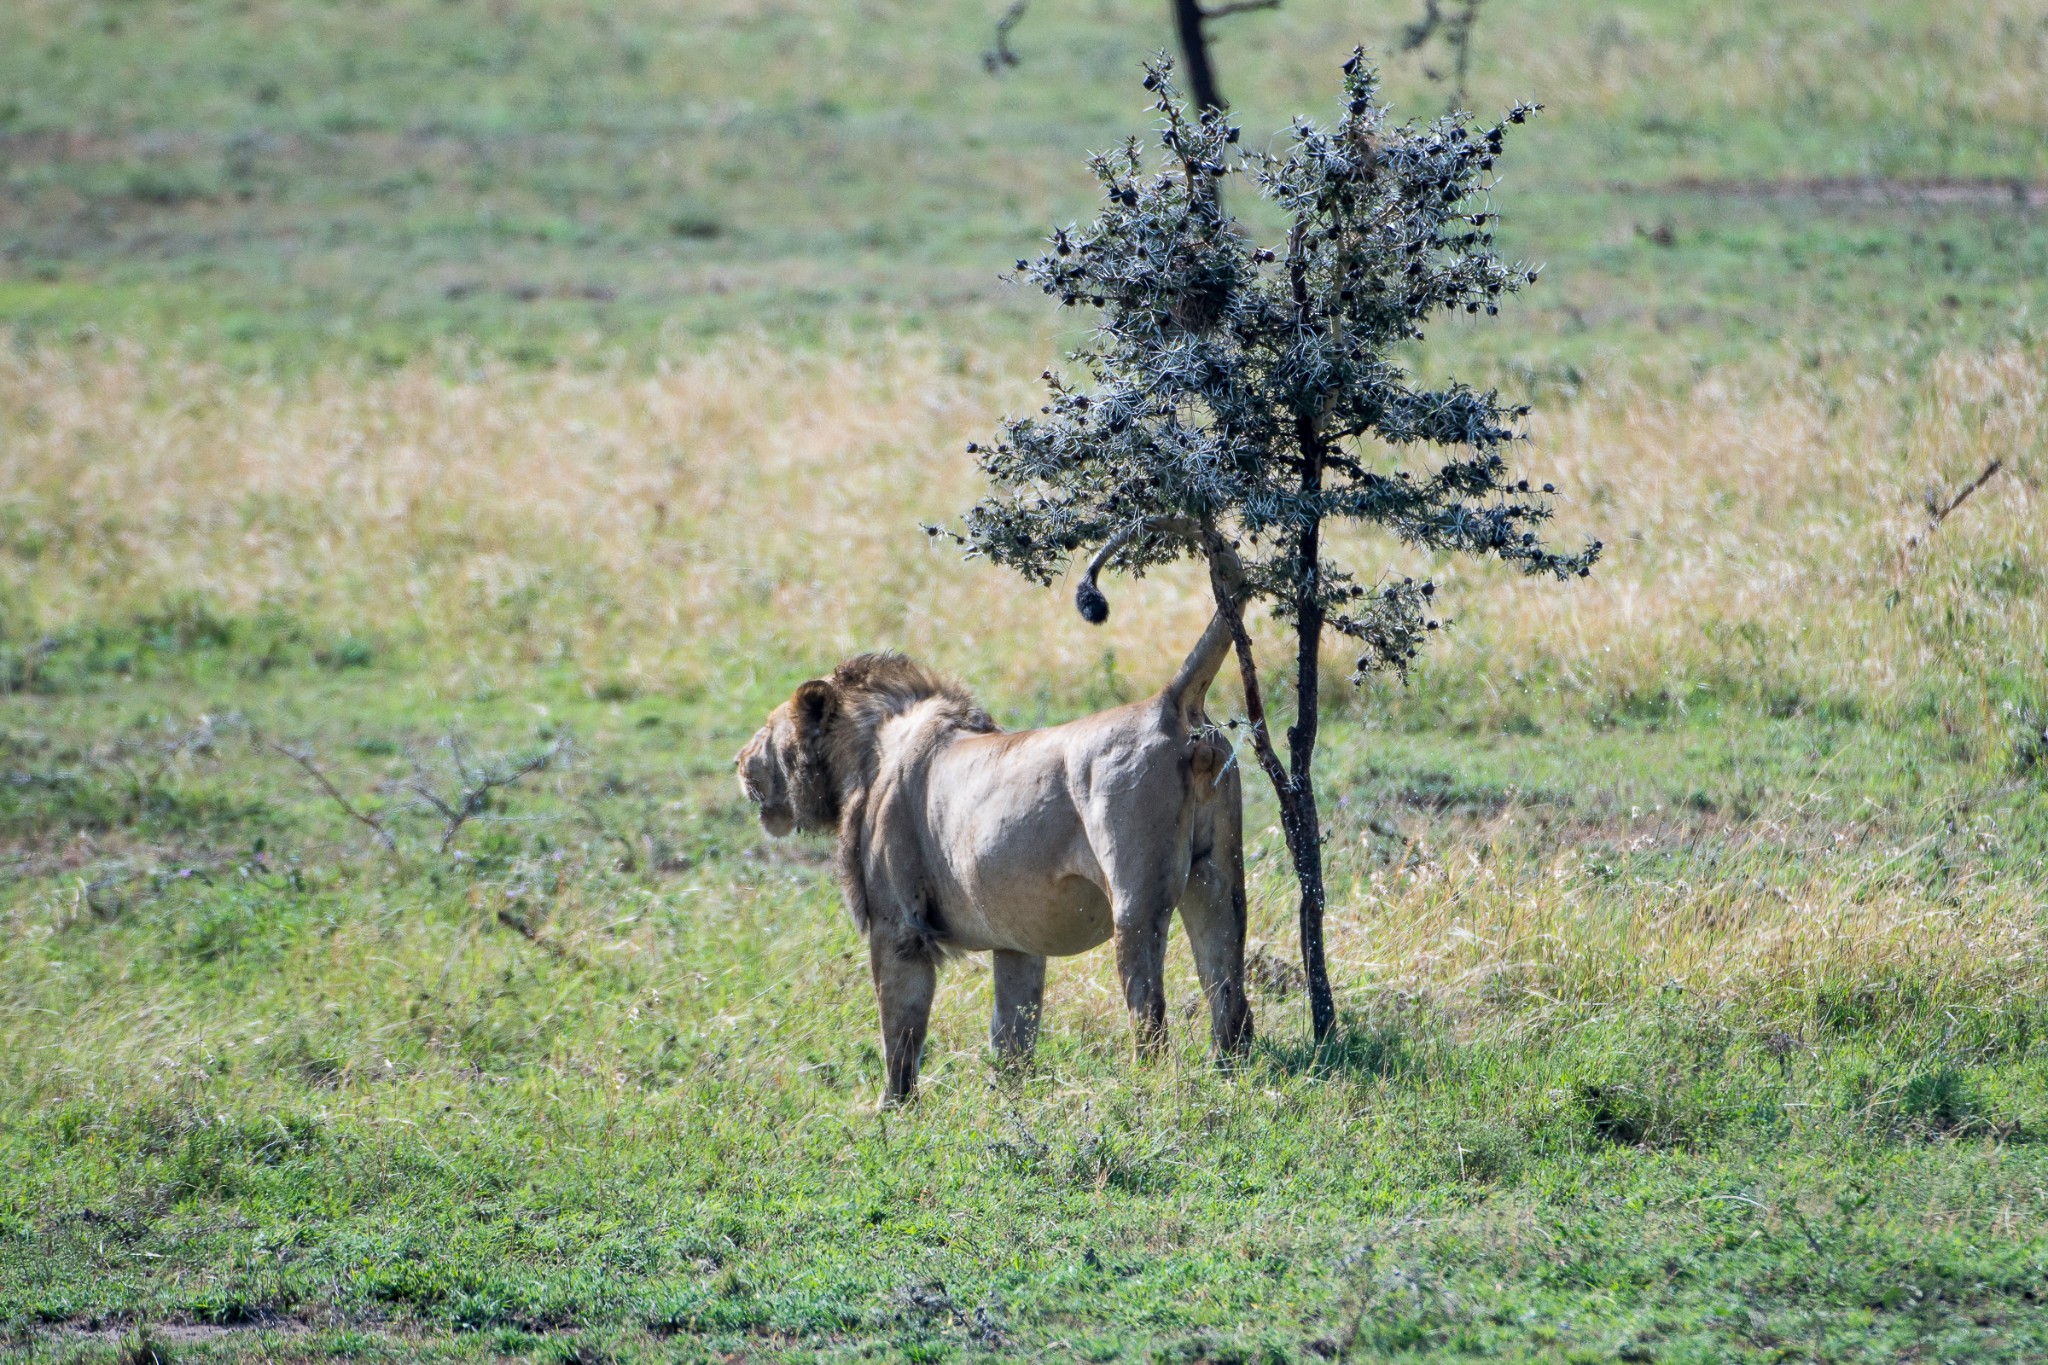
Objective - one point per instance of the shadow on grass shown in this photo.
(1361, 1047)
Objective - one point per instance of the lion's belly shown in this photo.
(1018, 872)
(1057, 919)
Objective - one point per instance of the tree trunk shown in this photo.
(1308, 872)
(1194, 46)
(1307, 843)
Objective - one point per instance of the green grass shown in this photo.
(1690, 953)
(522, 1099)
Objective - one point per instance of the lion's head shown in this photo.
(822, 742)
(784, 770)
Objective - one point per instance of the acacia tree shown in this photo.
(1244, 397)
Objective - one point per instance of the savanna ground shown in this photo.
(426, 388)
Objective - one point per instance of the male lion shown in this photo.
(954, 836)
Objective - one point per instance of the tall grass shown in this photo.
(744, 503)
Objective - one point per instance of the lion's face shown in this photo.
(763, 772)
(782, 769)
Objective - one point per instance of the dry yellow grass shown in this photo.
(743, 504)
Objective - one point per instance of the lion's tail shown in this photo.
(1185, 693)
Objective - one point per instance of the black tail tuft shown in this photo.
(1088, 598)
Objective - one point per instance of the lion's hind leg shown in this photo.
(1141, 966)
(1213, 910)
(1020, 995)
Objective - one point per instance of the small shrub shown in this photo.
(1650, 1111)
(1942, 1099)
(1487, 1152)
(348, 652)
(140, 1347)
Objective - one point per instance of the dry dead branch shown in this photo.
(474, 784)
(334, 794)
(1001, 55)
(1939, 509)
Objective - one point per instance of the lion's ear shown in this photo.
(812, 792)
(815, 703)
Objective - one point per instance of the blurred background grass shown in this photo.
(281, 180)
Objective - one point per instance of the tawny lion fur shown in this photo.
(955, 836)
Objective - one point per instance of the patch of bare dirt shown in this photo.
(1986, 191)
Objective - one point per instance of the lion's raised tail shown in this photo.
(1185, 693)
(1189, 686)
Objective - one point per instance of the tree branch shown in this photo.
(1939, 512)
(312, 770)
(1222, 560)
(996, 58)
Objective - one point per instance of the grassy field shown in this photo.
(400, 394)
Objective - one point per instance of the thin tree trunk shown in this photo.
(1301, 746)
(1194, 46)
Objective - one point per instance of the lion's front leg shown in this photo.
(905, 980)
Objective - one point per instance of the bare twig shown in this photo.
(996, 58)
(123, 755)
(1938, 510)
(1457, 34)
(349, 808)
(474, 785)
